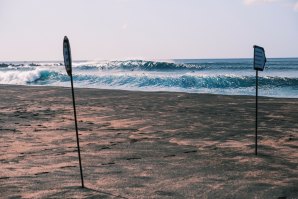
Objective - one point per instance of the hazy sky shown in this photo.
(147, 29)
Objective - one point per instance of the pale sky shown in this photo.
(33, 30)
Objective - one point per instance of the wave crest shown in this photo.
(139, 65)
(22, 77)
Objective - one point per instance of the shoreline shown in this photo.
(138, 144)
(145, 91)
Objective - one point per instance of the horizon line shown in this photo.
(127, 59)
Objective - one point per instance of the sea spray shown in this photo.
(231, 76)
(20, 77)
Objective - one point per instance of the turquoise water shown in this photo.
(218, 76)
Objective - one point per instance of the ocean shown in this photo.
(216, 76)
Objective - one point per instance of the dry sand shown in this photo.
(145, 145)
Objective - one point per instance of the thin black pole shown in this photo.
(76, 124)
(257, 85)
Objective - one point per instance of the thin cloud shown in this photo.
(252, 2)
(296, 7)
(288, 3)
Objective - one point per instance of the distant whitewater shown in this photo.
(220, 76)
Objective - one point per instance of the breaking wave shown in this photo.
(211, 76)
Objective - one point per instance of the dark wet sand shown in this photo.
(145, 145)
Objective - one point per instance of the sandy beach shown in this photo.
(145, 145)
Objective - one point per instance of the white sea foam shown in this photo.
(207, 76)
(19, 77)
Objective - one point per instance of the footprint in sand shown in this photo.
(186, 152)
(133, 140)
(4, 178)
(41, 173)
(64, 167)
(113, 143)
(133, 158)
(192, 151)
(165, 193)
(168, 156)
(109, 163)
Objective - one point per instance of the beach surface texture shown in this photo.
(145, 145)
